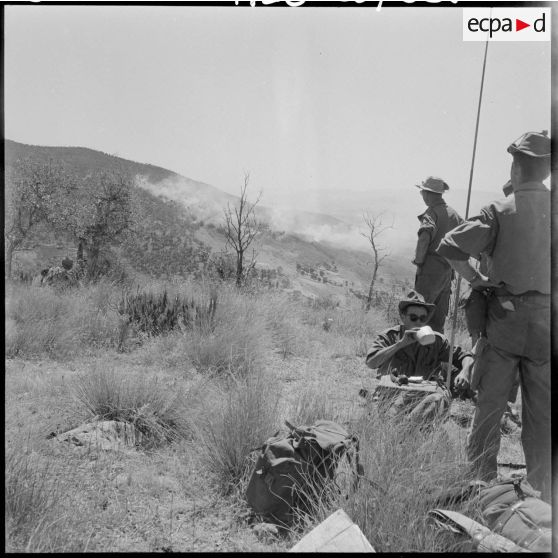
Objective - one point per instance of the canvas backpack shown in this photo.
(512, 509)
(293, 468)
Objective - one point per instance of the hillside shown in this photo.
(180, 226)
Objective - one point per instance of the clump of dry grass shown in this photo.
(161, 413)
(283, 323)
(311, 403)
(239, 415)
(237, 340)
(405, 469)
(44, 322)
(31, 492)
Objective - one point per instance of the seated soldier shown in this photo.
(396, 352)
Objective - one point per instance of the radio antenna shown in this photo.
(458, 281)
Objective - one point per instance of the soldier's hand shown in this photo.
(462, 381)
(409, 337)
(482, 282)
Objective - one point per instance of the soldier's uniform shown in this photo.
(515, 234)
(429, 400)
(434, 274)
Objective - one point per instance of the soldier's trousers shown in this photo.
(433, 282)
(517, 341)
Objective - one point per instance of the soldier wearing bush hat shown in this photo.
(514, 233)
(434, 274)
(399, 353)
(416, 299)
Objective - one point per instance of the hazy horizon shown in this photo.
(306, 99)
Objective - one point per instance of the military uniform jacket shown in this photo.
(414, 359)
(435, 222)
(514, 233)
(513, 236)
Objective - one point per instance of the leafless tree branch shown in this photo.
(375, 228)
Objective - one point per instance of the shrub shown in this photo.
(160, 413)
(158, 312)
(239, 415)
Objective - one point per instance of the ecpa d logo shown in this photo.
(506, 24)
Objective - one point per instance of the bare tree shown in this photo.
(375, 228)
(241, 229)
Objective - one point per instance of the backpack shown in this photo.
(513, 510)
(293, 468)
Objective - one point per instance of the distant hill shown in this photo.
(315, 253)
(82, 159)
(400, 207)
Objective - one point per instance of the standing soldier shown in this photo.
(434, 274)
(514, 233)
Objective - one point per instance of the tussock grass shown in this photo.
(235, 338)
(44, 322)
(312, 404)
(31, 493)
(238, 340)
(405, 469)
(161, 413)
(239, 415)
(283, 321)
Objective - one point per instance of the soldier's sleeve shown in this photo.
(472, 237)
(458, 354)
(427, 224)
(421, 250)
(382, 341)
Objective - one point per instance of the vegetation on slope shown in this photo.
(216, 393)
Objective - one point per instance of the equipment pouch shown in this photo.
(476, 312)
(496, 308)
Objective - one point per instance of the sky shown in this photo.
(305, 99)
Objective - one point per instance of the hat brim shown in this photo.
(514, 149)
(420, 187)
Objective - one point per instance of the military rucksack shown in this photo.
(512, 509)
(294, 467)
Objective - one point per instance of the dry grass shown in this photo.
(405, 469)
(265, 359)
(45, 323)
(161, 413)
(239, 415)
(237, 341)
(31, 492)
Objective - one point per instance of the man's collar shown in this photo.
(441, 202)
(530, 186)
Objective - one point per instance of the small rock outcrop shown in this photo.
(108, 435)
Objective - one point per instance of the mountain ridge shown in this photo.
(294, 240)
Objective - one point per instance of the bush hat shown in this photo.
(433, 184)
(416, 299)
(534, 144)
